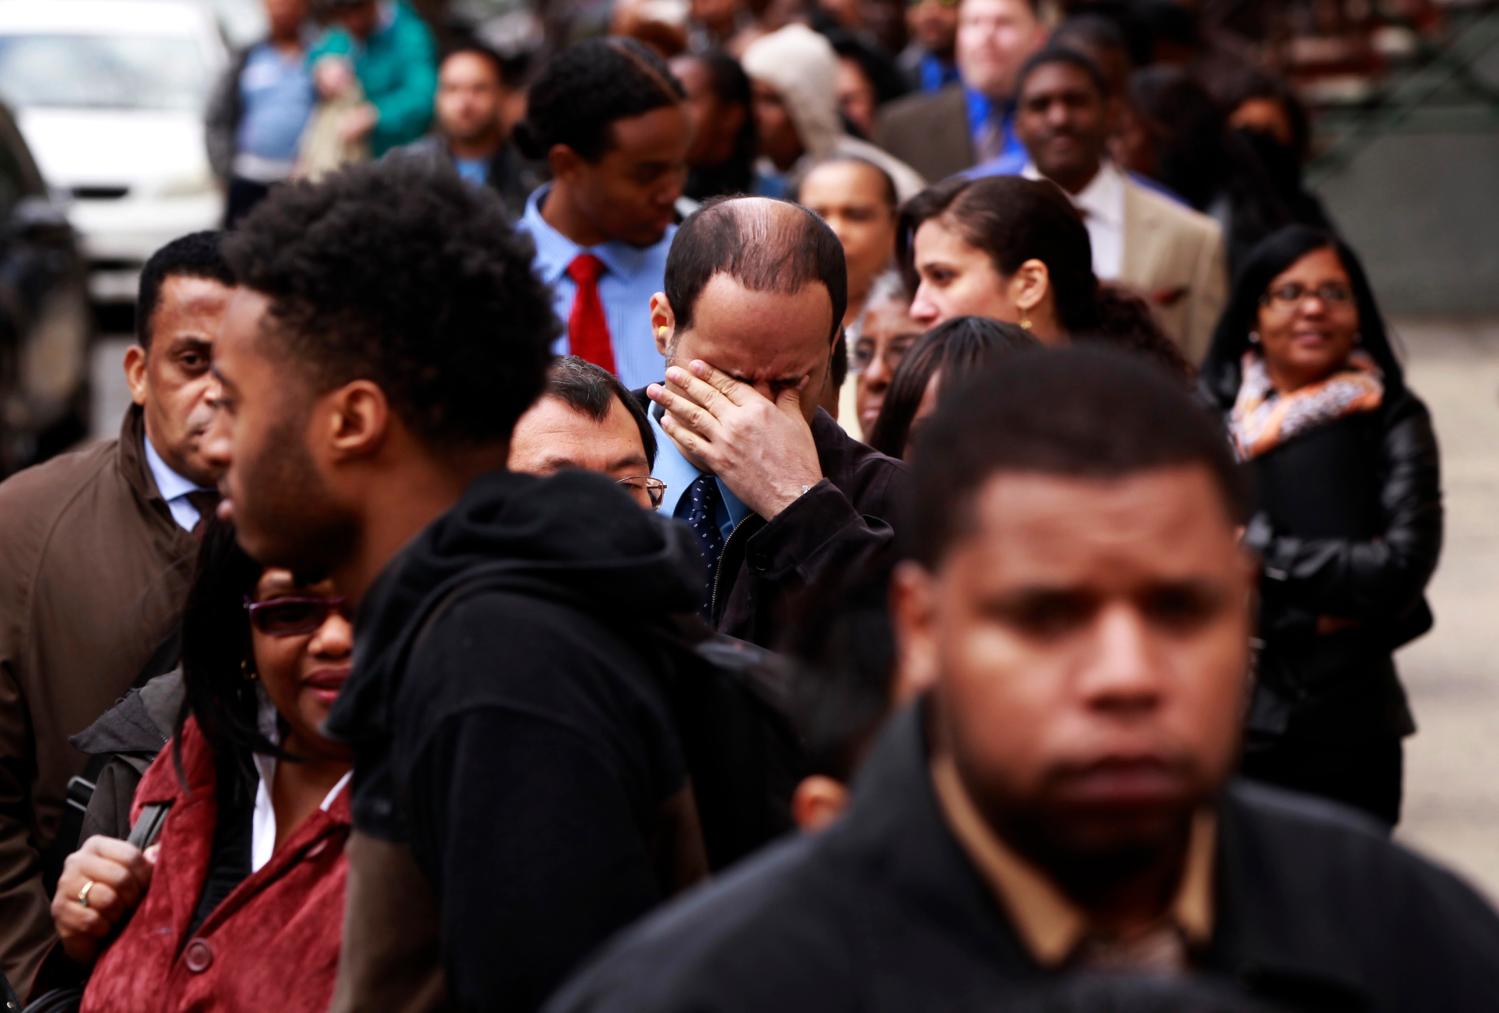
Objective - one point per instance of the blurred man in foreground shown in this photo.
(1059, 802)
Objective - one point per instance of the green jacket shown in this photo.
(397, 67)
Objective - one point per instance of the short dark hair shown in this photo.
(887, 182)
(1078, 412)
(591, 390)
(764, 244)
(1093, 30)
(401, 273)
(954, 348)
(1055, 54)
(587, 87)
(473, 47)
(195, 255)
(1263, 86)
(1013, 219)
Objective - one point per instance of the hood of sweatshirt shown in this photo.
(574, 537)
(803, 69)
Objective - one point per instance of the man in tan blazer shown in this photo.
(1170, 255)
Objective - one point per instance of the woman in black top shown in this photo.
(1348, 520)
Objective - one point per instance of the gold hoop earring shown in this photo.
(246, 671)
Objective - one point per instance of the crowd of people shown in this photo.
(763, 509)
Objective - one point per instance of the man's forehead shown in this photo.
(1170, 519)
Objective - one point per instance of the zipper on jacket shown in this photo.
(718, 573)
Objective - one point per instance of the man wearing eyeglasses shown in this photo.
(586, 420)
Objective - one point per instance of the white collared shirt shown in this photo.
(263, 820)
(1102, 205)
(173, 487)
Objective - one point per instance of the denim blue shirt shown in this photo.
(276, 94)
(633, 274)
(980, 110)
(678, 473)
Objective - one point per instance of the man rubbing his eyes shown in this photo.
(772, 488)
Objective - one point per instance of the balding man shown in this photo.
(778, 496)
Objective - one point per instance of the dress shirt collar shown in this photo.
(1102, 200)
(554, 251)
(173, 487)
(678, 473)
(1048, 923)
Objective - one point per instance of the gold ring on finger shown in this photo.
(83, 894)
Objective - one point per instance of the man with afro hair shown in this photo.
(519, 789)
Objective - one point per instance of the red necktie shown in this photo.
(587, 329)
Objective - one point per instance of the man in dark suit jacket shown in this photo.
(1058, 805)
(778, 495)
(942, 134)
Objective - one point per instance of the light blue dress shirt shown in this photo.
(633, 275)
(678, 473)
(173, 488)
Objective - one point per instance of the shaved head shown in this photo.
(765, 245)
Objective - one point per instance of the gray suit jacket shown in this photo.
(929, 132)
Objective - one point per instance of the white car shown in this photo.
(110, 96)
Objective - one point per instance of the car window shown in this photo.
(103, 72)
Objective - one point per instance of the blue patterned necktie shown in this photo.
(703, 498)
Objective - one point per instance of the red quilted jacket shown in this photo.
(272, 943)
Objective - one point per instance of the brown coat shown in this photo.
(93, 572)
(929, 132)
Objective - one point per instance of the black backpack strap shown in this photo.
(148, 824)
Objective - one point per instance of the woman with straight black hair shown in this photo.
(1348, 518)
(940, 356)
(240, 899)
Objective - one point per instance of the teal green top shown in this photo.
(397, 67)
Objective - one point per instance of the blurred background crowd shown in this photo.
(126, 123)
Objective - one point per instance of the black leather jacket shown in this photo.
(1348, 524)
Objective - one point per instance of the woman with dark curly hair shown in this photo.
(1348, 519)
(1016, 250)
(243, 891)
(948, 351)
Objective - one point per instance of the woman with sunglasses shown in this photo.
(1347, 518)
(241, 896)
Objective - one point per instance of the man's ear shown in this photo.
(1029, 285)
(356, 420)
(135, 373)
(913, 595)
(563, 161)
(817, 801)
(663, 322)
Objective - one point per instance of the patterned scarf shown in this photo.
(1263, 419)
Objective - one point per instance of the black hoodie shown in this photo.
(511, 729)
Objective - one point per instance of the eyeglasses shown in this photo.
(654, 488)
(1293, 292)
(863, 354)
(291, 616)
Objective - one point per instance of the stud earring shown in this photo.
(660, 332)
(1025, 323)
(1254, 337)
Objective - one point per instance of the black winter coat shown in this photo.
(1348, 524)
(1313, 910)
